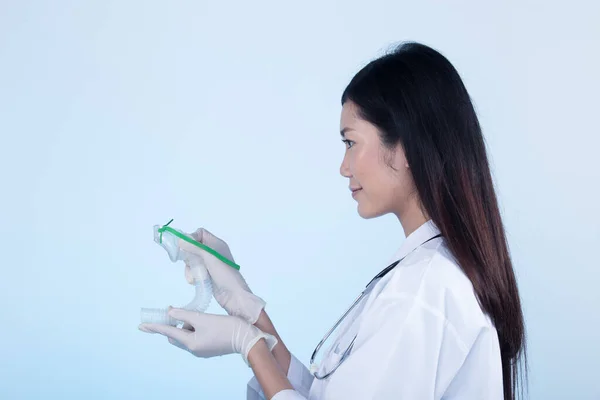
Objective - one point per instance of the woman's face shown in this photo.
(377, 187)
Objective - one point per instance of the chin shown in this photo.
(367, 212)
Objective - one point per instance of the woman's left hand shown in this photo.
(209, 335)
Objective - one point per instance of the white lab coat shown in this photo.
(421, 335)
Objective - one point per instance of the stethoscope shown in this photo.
(314, 367)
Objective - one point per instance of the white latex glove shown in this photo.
(210, 335)
(229, 287)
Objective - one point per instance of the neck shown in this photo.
(411, 218)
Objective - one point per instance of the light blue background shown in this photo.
(118, 115)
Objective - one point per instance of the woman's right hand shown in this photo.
(229, 287)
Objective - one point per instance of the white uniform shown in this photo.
(420, 335)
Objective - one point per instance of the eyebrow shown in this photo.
(343, 131)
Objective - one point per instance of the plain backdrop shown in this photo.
(118, 115)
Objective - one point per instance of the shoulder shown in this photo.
(434, 282)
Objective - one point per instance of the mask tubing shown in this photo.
(199, 303)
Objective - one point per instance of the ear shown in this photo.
(399, 158)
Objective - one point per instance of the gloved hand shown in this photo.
(209, 335)
(229, 287)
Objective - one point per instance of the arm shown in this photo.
(296, 373)
(267, 370)
(270, 375)
(280, 352)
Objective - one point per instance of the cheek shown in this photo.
(364, 166)
(383, 185)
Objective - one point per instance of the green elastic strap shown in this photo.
(167, 228)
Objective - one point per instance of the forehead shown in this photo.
(350, 121)
(349, 117)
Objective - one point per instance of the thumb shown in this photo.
(198, 235)
(181, 314)
(207, 238)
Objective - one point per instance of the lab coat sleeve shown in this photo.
(299, 376)
(418, 353)
(413, 354)
(288, 395)
(474, 382)
(416, 357)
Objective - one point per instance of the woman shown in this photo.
(443, 322)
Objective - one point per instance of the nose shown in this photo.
(345, 169)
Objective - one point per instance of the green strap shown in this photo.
(167, 228)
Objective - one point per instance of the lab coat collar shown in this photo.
(423, 233)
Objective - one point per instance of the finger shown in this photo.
(166, 330)
(207, 238)
(178, 344)
(183, 315)
(198, 235)
(191, 248)
(216, 243)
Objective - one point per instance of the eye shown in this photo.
(349, 143)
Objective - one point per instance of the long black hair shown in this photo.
(416, 99)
